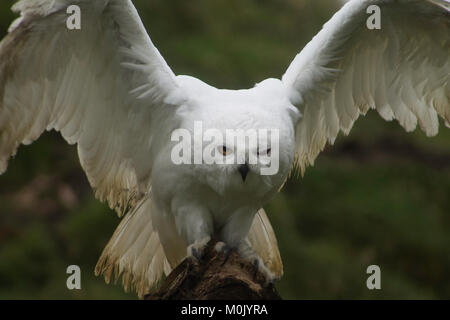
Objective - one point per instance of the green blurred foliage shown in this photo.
(379, 196)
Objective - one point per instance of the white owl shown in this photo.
(107, 89)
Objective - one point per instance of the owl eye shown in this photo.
(267, 152)
(224, 150)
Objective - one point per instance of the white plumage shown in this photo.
(107, 89)
(402, 71)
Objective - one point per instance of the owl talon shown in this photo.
(196, 250)
(247, 253)
(227, 255)
(222, 247)
(256, 265)
(195, 254)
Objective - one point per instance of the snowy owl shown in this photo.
(106, 88)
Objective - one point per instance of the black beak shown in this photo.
(243, 170)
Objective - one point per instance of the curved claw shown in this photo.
(222, 247)
(197, 249)
(256, 265)
(196, 254)
(247, 253)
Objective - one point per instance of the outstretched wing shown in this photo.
(401, 70)
(104, 87)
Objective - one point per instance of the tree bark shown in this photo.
(216, 277)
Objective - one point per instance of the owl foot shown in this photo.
(248, 254)
(196, 250)
(222, 247)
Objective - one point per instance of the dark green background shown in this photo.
(379, 196)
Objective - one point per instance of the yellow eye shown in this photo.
(223, 150)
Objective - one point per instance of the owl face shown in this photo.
(244, 146)
(249, 158)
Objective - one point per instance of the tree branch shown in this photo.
(213, 279)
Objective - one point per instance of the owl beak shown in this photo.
(243, 170)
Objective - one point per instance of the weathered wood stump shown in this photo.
(216, 277)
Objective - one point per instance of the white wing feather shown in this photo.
(135, 252)
(263, 240)
(104, 87)
(401, 70)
